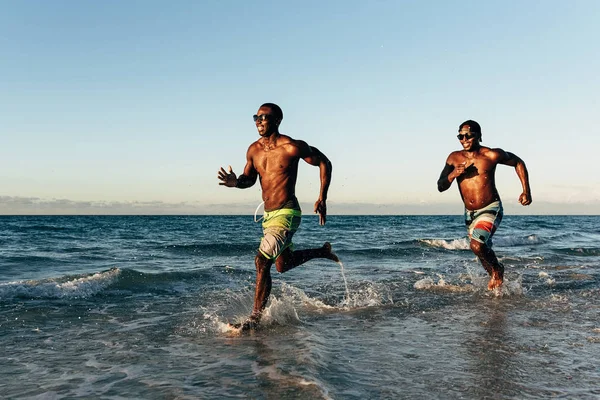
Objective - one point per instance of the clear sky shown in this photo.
(132, 106)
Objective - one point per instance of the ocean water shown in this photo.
(120, 307)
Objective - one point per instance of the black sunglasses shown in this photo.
(261, 117)
(467, 136)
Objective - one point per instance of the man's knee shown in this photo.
(281, 264)
(262, 263)
(477, 247)
(283, 261)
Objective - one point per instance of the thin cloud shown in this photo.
(14, 205)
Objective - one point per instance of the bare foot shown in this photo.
(249, 324)
(497, 278)
(330, 254)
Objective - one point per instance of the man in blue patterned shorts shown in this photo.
(474, 169)
(274, 159)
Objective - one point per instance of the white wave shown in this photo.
(454, 244)
(508, 241)
(463, 243)
(53, 288)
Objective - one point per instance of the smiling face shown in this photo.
(468, 139)
(266, 122)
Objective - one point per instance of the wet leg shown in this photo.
(490, 262)
(497, 277)
(261, 292)
(289, 259)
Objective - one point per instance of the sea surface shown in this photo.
(136, 307)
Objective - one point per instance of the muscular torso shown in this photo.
(477, 185)
(277, 169)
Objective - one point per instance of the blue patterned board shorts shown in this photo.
(482, 223)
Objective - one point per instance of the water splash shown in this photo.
(549, 280)
(298, 295)
(510, 288)
(429, 284)
(280, 312)
(478, 284)
(366, 294)
(369, 294)
(347, 298)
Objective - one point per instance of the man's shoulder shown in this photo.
(455, 155)
(492, 153)
(254, 145)
(485, 149)
(285, 139)
(292, 144)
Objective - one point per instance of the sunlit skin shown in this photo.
(474, 169)
(274, 159)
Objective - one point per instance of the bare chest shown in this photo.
(477, 169)
(273, 161)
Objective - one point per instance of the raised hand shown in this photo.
(321, 209)
(228, 179)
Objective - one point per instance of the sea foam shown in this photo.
(58, 288)
(454, 244)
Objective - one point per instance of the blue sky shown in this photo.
(132, 106)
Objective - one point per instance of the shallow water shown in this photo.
(136, 307)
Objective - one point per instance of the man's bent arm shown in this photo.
(316, 158)
(445, 180)
(319, 159)
(521, 169)
(513, 160)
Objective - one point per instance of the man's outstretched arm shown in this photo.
(245, 180)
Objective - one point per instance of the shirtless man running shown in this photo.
(274, 159)
(474, 169)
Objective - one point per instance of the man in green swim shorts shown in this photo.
(274, 159)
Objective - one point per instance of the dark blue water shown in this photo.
(136, 307)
